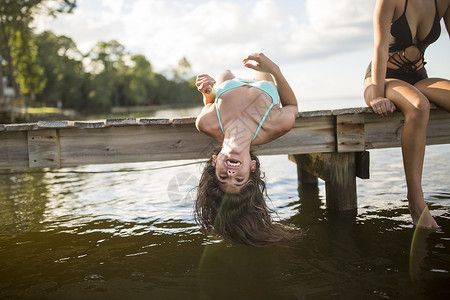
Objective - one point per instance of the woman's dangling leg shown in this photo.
(415, 107)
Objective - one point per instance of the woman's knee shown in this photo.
(419, 111)
(437, 90)
(408, 98)
(263, 76)
(422, 104)
(226, 75)
(368, 97)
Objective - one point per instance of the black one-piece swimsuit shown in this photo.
(410, 71)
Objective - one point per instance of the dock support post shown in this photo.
(305, 178)
(340, 181)
(338, 170)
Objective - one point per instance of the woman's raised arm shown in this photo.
(265, 65)
(204, 85)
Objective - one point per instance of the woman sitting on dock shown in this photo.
(231, 193)
(396, 78)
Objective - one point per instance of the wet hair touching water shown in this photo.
(243, 218)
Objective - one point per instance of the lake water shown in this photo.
(126, 231)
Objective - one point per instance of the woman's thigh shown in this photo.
(437, 90)
(405, 96)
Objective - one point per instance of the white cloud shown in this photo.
(307, 35)
(216, 31)
(332, 14)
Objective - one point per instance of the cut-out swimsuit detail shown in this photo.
(401, 38)
(262, 85)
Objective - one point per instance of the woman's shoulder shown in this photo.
(386, 11)
(207, 121)
(394, 5)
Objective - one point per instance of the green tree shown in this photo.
(141, 82)
(30, 75)
(107, 84)
(107, 56)
(182, 70)
(17, 47)
(63, 70)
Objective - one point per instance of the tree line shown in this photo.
(45, 69)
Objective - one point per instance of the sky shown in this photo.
(323, 47)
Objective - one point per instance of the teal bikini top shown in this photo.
(264, 86)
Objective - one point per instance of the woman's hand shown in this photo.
(261, 63)
(382, 106)
(204, 84)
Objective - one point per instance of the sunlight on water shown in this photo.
(127, 231)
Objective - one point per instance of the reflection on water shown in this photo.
(114, 231)
(22, 200)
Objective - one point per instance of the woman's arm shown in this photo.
(382, 19)
(204, 123)
(204, 85)
(265, 65)
(289, 112)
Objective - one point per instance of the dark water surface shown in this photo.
(126, 232)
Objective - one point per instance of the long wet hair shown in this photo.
(243, 218)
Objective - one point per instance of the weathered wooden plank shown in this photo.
(438, 130)
(121, 122)
(385, 132)
(350, 132)
(352, 110)
(89, 124)
(131, 140)
(145, 121)
(13, 149)
(190, 120)
(55, 124)
(43, 148)
(315, 113)
(132, 144)
(21, 127)
(308, 135)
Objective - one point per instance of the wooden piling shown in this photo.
(338, 170)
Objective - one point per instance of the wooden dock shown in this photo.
(331, 145)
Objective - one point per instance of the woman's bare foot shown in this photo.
(422, 217)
